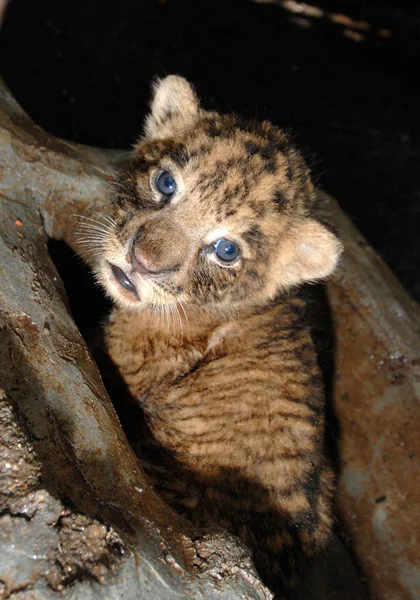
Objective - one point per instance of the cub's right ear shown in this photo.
(309, 252)
(174, 107)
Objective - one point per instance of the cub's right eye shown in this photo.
(165, 183)
(226, 251)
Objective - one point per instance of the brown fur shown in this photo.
(218, 355)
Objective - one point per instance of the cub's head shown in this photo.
(213, 211)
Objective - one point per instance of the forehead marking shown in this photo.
(253, 236)
(279, 200)
(270, 166)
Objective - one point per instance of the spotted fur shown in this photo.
(218, 355)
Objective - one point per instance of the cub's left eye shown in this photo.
(165, 183)
(226, 250)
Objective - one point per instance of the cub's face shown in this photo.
(212, 212)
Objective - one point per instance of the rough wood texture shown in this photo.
(69, 443)
(376, 394)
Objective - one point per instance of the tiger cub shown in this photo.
(211, 232)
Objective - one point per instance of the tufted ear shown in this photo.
(174, 107)
(310, 252)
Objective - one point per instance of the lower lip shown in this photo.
(123, 281)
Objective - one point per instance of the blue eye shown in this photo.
(226, 250)
(165, 183)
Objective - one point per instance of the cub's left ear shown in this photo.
(174, 107)
(310, 252)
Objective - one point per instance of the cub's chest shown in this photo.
(149, 358)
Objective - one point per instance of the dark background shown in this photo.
(344, 79)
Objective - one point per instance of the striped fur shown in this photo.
(219, 356)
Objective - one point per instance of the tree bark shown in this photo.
(76, 513)
(376, 393)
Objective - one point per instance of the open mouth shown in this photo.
(124, 280)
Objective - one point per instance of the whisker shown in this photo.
(166, 313)
(110, 220)
(101, 216)
(180, 302)
(173, 315)
(91, 233)
(83, 228)
(93, 229)
(97, 238)
(88, 223)
(90, 244)
(93, 242)
(179, 318)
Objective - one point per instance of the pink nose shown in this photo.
(140, 263)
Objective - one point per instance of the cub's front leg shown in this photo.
(147, 355)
